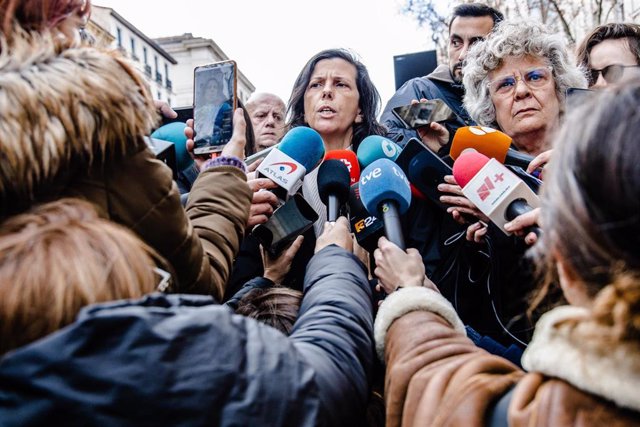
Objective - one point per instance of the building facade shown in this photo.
(191, 52)
(111, 29)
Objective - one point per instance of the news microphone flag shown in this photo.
(300, 151)
(492, 188)
(491, 143)
(386, 193)
(350, 160)
(376, 147)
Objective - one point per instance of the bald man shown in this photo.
(267, 113)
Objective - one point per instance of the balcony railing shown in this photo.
(169, 84)
(147, 70)
(158, 77)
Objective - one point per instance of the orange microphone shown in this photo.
(490, 142)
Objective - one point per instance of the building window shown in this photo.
(166, 70)
(133, 49)
(144, 55)
(119, 35)
(159, 96)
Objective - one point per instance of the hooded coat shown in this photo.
(73, 123)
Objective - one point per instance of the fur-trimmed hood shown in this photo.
(62, 110)
(612, 372)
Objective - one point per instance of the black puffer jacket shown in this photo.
(183, 360)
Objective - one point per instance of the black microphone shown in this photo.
(366, 227)
(333, 186)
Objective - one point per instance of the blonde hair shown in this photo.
(591, 212)
(64, 111)
(60, 257)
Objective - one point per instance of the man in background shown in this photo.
(267, 113)
(470, 23)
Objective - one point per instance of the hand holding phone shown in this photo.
(214, 101)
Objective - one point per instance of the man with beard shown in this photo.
(469, 24)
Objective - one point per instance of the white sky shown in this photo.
(271, 40)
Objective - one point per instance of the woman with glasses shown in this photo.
(610, 53)
(515, 81)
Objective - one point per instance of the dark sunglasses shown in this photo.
(611, 73)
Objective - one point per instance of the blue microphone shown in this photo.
(386, 193)
(299, 152)
(376, 147)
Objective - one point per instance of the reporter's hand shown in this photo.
(275, 269)
(459, 204)
(395, 267)
(263, 203)
(336, 233)
(476, 232)
(539, 162)
(165, 109)
(190, 134)
(235, 147)
(520, 223)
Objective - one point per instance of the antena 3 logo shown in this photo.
(278, 171)
(286, 168)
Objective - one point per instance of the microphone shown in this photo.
(386, 193)
(333, 186)
(494, 189)
(349, 158)
(300, 151)
(491, 143)
(376, 147)
(367, 228)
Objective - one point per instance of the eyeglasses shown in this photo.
(165, 279)
(536, 78)
(611, 73)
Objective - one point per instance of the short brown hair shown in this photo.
(60, 257)
(276, 306)
(612, 31)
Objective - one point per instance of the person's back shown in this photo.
(165, 359)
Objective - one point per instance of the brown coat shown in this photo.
(437, 377)
(73, 125)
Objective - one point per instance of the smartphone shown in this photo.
(214, 101)
(424, 169)
(420, 114)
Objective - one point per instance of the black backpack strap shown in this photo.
(497, 417)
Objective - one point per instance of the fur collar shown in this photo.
(613, 374)
(63, 108)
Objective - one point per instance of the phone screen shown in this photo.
(423, 113)
(214, 101)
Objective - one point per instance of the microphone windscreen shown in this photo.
(490, 142)
(333, 179)
(350, 160)
(376, 147)
(174, 132)
(304, 145)
(467, 166)
(382, 181)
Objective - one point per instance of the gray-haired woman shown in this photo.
(515, 80)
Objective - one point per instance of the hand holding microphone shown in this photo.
(336, 233)
(385, 192)
(522, 223)
(493, 188)
(395, 267)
